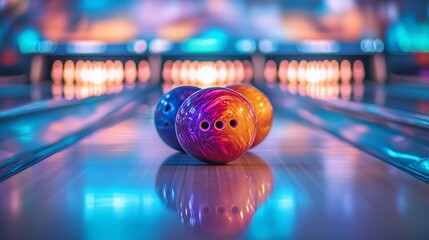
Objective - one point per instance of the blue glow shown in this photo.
(281, 210)
(286, 202)
(394, 154)
(92, 5)
(108, 211)
(424, 165)
(409, 36)
(217, 33)
(212, 41)
(117, 201)
(25, 129)
(28, 40)
(203, 45)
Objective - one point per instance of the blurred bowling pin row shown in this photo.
(207, 73)
(314, 72)
(100, 72)
(75, 91)
(332, 91)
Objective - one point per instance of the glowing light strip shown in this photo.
(318, 46)
(86, 47)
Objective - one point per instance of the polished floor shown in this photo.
(123, 182)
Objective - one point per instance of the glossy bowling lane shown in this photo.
(301, 182)
(20, 94)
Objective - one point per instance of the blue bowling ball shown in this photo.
(165, 114)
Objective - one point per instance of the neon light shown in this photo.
(318, 46)
(409, 37)
(245, 45)
(267, 46)
(372, 45)
(159, 45)
(137, 46)
(203, 45)
(85, 47)
(392, 153)
(28, 40)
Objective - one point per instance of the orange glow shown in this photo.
(292, 88)
(84, 72)
(345, 26)
(345, 71)
(57, 91)
(122, 30)
(302, 71)
(99, 89)
(166, 87)
(99, 73)
(335, 71)
(68, 73)
(222, 72)
(230, 72)
(184, 70)
(302, 90)
(167, 71)
(68, 91)
(270, 71)
(207, 73)
(346, 90)
(329, 71)
(130, 72)
(358, 72)
(282, 72)
(193, 72)
(292, 72)
(358, 91)
(144, 71)
(57, 72)
(178, 31)
(119, 72)
(315, 72)
(110, 72)
(322, 71)
(248, 71)
(82, 92)
(239, 70)
(175, 72)
(312, 74)
(78, 72)
(283, 86)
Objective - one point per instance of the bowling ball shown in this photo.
(165, 114)
(262, 107)
(216, 125)
(216, 200)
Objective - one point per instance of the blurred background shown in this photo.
(396, 29)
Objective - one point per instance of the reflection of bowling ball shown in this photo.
(262, 107)
(219, 199)
(165, 114)
(216, 125)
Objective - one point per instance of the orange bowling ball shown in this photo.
(262, 107)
